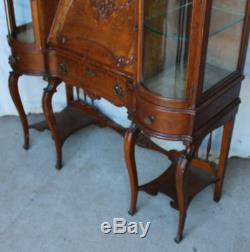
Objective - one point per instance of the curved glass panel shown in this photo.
(20, 20)
(224, 42)
(166, 44)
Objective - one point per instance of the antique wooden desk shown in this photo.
(176, 65)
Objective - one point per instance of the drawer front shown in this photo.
(102, 83)
(97, 81)
(163, 123)
(62, 67)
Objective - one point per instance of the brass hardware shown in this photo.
(13, 60)
(63, 67)
(118, 90)
(149, 120)
(90, 73)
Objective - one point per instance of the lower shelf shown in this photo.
(79, 115)
(197, 180)
(68, 121)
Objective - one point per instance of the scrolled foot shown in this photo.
(178, 239)
(217, 198)
(59, 166)
(132, 212)
(26, 146)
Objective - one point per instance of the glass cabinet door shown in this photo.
(167, 26)
(19, 19)
(226, 27)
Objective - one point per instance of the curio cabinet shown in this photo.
(176, 65)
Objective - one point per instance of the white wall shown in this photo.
(31, 92)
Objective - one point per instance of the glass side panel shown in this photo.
(23, 21)
(166, 43)
(224, 43)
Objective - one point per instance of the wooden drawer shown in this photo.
(102, 83)
(64, 68)
(162, 122)
(97, 81)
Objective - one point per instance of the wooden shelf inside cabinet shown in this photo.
(228, 18)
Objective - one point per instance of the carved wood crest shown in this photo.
(105, 8)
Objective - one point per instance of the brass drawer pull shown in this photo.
(90, 73)
(149, 120)
(118, 90)
(63, 67)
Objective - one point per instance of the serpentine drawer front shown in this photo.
(160, 121)
(97, 81)
(102, 83)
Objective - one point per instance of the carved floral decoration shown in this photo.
(105, 8)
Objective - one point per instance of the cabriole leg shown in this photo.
(50, 118)
(129, 151)
(225, 146)
(182, 190)
(14, 92)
